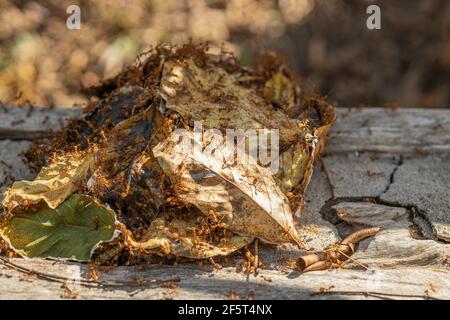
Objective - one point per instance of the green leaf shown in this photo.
(71, 231)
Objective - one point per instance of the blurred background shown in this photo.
(405, 64)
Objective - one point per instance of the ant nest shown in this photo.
(184, 154)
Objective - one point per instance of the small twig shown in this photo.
(380, 295)
(61, 279)
(354, 260)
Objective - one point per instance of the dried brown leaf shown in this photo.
(179, 233)
(229, 193)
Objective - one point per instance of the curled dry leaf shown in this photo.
(245, 198)
(297, 162)
(189, 235)
(335, 254)
(53, 184)
(70, 231)
(280, 90)
(219, 101)
(215, 97)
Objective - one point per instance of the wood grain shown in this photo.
(27, 122)
(190, 282)
(405, 131)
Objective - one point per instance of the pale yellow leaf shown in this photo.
(53, 184)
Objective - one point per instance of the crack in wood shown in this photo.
(392, 175)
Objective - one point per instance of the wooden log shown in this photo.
(191, 282)
(373, 154)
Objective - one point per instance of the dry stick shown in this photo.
(60, 279)
(381, 295)
(354, 260)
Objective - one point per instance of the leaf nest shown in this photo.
(122, 159)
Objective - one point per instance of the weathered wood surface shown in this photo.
(405, 131)
(189, 282)
(397, 243)
(384, 168)
(28, 122)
